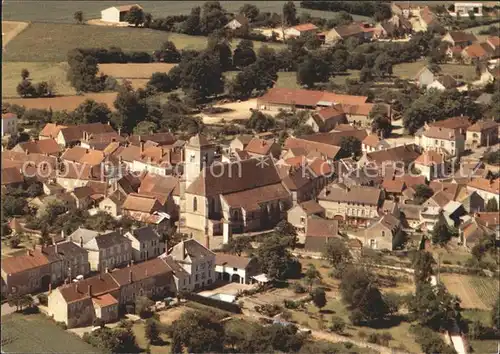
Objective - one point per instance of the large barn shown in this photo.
(116, 14)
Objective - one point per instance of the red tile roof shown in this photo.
(305, 27)
(104, 300)
(259, 146)
(303, 97)
(483, 125)
(8, 115)
(317, 227)
(429, 158)
(488, 185)
(17, 264)
(44, 146)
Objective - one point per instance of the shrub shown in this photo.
(446, 261)
(348, 345)
(356, 317)
(299, 288)
(43, 299)
(290, 304)
(361, 334)
(373, 338)
(338, 324)
(62, 325)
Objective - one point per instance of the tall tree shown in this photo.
(201, 77)
(441, 233)
(78, 17)
(289, 14)
(350, 146)
(135, 16)
(422, 266)
(213, 17)
(91, 111)
(495, 313)
(319, 298)
(274, 257)
(312, 70)
(25, 74)
(130, 109)
(312, 276)
(250, 11)
(192, 24)
(152, 331)
(492, 205)
(422, 193)
(337, 252)
(244, 55)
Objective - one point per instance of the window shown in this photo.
(442, 143)
(195, 204)
(235, 269)
(383, 233)
(196, 277)
(373, 244)
(192, 157)
(452, 144)
(302, 220)
(435, 142)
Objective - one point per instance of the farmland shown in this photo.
(62, 11)
(474, 291)
(52, 41)
(64, 102)
(11, 29)
(37, 334)
(134, 71)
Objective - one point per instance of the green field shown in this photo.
(50, 42)
(409, 70)
(62, 11)
(38, 334)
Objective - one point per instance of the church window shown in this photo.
(195, 204)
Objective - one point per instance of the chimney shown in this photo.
(81, 241)
(63, 235)
(207, 241)
(182, 154)
(87, 151)
(75, 286)
(27, 152)
(183, 251)
(120, 131)
(90, 290)
(55, 245)
(107, 270)
(141, 144)
(100, 276)
(50, 288)
(28, 252)
(130, 276)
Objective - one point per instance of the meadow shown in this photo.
(409, 70)
(62, 11)
(474, 291)
(68, 103)
(50, 42)
(37, 334)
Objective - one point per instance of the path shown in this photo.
(10, 29)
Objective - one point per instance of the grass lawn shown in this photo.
(38, 334)
(409, 70)
(139, 331)
(58, 11)
(484, 346)
(478, 315)
(52, 41)
(50, 72)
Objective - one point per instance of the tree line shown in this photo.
(376, 9)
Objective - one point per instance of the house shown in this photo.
(359, 30)
(356, 205)
(471, 201)
(393, 187)
(477, 52)
(473, 230)
(67, 136)
(146, 243)
(465, 8)
(326, 119)
(431, 164)
(99, 141)
(26, 273)
(276, 98)
(397, 26)
(459, 38)
(485, 98)
(442, 137)
(106, 251)
(100, 296)
(240, 142)
(335, 138)
(452, 212)
(112, 204)
(299, 30)
(390, 158)
(117, 14)
(234, 268)
(430, 216)
(46, 146)
(67, 260)
(50, 131)
(138, 205)
(237, 22)
(429, 19)
(380, 234)
(494, 42)
(424, 77)
(152, 139)
(486, 188)
(443, 82)
(410, 216)
(482, 133)
(322, 150)
(259, 147)
(165, 188)
(196, 260)
(247, 194)
(9, 124)
(157, 159)
(12, 176)
(373, 143)
(301, 213)
(319, 232)
(359, 113)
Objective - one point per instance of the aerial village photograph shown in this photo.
(315, 177)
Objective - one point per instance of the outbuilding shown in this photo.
(117, 14)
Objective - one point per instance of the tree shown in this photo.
(161, 82)
(83, 70)
(350, 146)
(116, 340)
(383, 65)
(250, 11)
(381, 122)
(135, 16)
(12, 206)
(274, 257)
(130, 108)
(148, 18)
(15, 241)
(213, 17)
(168, 53)
(145, 128)
(91, 111)
(422, 193)
(289, 14)
(492, 205)
(78, 17)
(433, 307)
(197, 332)
(441, 233)
(221, 48)
(319, 298)
(201, 77)
(495, 314)
(25, 74)
(237, 245)
(399, 239)
(312, 276)
(312, 70)
(192, 24)
(422, 265)
(244, 54)
(26, 89)
(336, 252)
(365, 75)
(337, 325)
(143, 306)
(260, 122)
(152, 331)
(359, 290)
(35, 189)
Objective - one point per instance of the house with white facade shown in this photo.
(9, 124)
(116, 14)
(234, 268)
